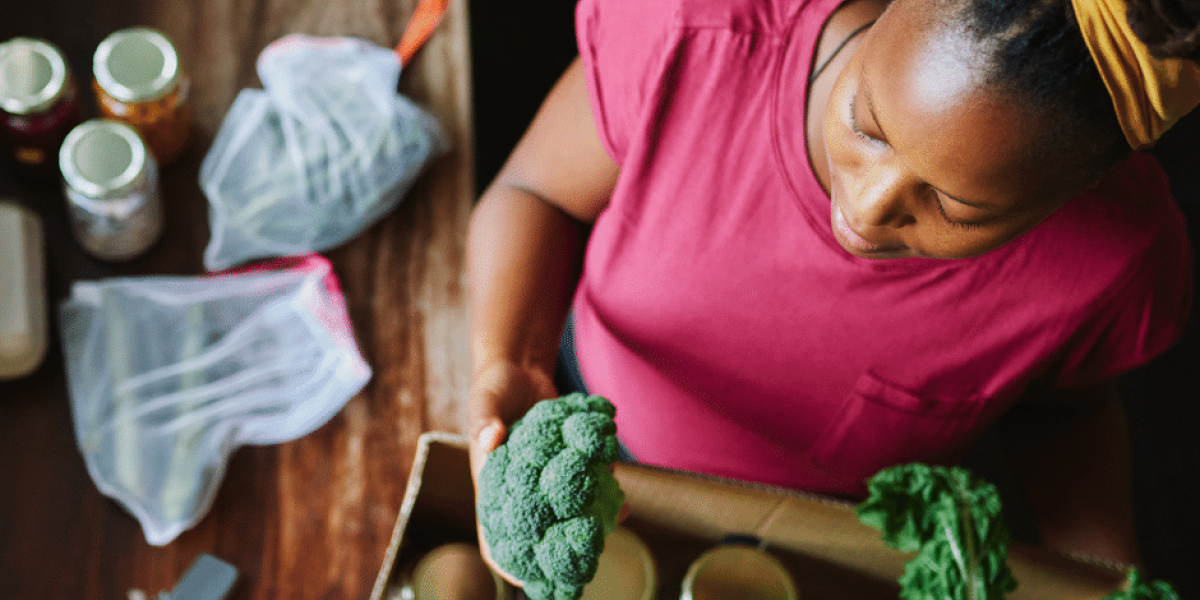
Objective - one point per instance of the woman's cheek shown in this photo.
(845, 165)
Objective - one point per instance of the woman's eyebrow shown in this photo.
(865, 90)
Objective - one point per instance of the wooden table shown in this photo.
(305, 519)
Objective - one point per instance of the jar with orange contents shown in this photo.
(138, 80)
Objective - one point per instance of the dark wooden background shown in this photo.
(310, 518)
(306, 519)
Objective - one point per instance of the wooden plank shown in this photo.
(305, 519)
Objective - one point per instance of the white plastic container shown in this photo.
(22, 292)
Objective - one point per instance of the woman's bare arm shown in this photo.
(524, 254)
(526, 236)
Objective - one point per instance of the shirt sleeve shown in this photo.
(621, 43)
(1146, 315)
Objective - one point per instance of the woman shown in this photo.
(802, 241)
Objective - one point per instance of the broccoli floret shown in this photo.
(546, 496)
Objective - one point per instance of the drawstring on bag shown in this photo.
(420, 26)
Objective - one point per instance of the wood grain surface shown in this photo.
(304, 519)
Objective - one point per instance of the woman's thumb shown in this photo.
(490, 435)
(485, 439)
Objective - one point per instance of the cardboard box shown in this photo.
(679, 515)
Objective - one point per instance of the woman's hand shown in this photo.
(500, 394)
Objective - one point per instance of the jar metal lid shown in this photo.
(626, 570)
(33, 75)
(737, 569)
(136, 65)
(101, 157)
(454, 570)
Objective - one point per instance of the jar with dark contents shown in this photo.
(110, 179)
(39, 103)
(139, 80)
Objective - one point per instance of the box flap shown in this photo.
(446, 451)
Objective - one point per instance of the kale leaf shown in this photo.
(1137, 589)
(953, 521)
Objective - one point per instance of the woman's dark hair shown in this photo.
(1039, 56)
(1168, 27)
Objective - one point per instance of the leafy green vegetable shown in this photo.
(1137, 589)
(953, 521)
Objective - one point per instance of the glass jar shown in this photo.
(138, 80)
(737, 570)
(110, 179)
(38, 102)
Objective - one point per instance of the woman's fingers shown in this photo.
(501, 393)
(487, 438)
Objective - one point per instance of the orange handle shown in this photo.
(424, 20)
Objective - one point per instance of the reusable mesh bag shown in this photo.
(325, 150)
(169, 375)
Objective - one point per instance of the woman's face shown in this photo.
(925, 162)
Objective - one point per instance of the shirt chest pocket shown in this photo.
(881, 424)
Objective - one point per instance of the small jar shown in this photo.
(39, 102)
(455, 570)
(738, 570)
(626, 570)
(110, 179)
(138, 80)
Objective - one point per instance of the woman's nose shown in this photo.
(882, 199)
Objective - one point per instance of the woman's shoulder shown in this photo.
(1128, 269)
(1133, 202)
(1126, 228)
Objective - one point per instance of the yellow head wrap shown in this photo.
(1149, 93)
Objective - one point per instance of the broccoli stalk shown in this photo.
(953, 521)
(546, 496)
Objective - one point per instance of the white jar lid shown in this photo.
(33, 75)
(454, 570)
(102, 157)
(136, 65)
(626, 570)
(738, 571)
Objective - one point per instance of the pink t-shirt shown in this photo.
(735, 336)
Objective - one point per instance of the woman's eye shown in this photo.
(937, 200)
(854, 120)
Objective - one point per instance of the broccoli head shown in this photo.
(546, 497)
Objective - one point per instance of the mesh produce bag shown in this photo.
(169, 375)
(325, 150)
